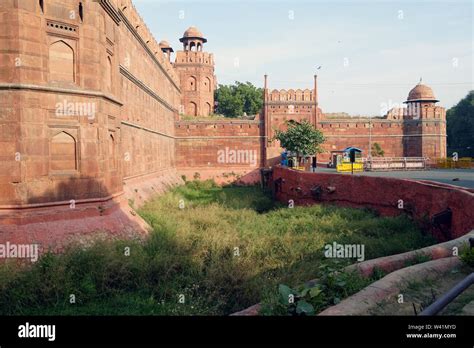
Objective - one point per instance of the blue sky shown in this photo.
(371, 52)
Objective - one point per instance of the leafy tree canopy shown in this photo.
(239, 98)
(377, 150)
(460, 127)
(301, 138)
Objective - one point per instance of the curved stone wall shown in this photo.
(428, 203)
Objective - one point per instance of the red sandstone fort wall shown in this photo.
(150, 94)
(343, 133)
(397, 136)
(205, 148)
(401, 133)
(103, 58)
(53, 61)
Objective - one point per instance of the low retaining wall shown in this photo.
(389, 287)
(395, 262)
(389, 264)
(389, 196)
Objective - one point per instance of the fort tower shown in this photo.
(425, 124)
(196, 71)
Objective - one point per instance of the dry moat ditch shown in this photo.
(212, 251)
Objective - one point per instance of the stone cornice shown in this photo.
(147, 129)
(230, 121)
(194, 137)
(147, 49)
(145, 88)
(290, 102)
(383, 135)
(363, 121)
(61, 203)
(111, 10)
(197, 65)
(82, 92)
(190, 137)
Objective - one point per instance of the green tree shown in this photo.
(301, 138)
(460, 127)
(377, 150)
(239, 98)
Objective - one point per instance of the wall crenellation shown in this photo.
(127, 8)
(291, 95)
(190, 57)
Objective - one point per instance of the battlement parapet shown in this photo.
(292, 96)
(128, 10)
(194, 57)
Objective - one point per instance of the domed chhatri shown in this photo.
(164, 44)
(193, 33)
(193, 39)
(421, 93)
(166, 49)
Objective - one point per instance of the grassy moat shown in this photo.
(223, 248)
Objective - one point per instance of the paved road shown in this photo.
(445, 176)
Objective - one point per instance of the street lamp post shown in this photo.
(369, 155)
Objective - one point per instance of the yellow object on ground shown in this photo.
(347, 167)
(450, 163)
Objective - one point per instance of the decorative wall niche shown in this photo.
(63, 151)
(62, 59)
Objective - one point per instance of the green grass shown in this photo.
(192, 251)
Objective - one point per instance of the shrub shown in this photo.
(467, 255)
